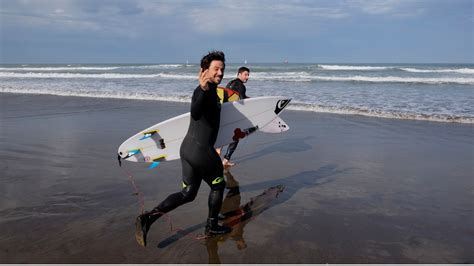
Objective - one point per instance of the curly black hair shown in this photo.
(211, 56)
(243, 69)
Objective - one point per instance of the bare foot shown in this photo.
(227, 163)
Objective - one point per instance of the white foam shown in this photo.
(300, 76)
(343, 67)
(161, 66)
(98, 68)
(96, 94)
(295, 105)
(97, 76)
(407, 69)
(55, 68)
(394, 79)
(306, 77)
(382, 114)
(448, 70)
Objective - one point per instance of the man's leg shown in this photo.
(217, 185)
(187, 194)
(230, 150)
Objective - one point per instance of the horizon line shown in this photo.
(196, 63)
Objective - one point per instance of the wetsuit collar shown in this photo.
(212, 86)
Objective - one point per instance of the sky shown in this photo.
(259, 31)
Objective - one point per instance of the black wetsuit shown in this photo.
(238, 86)
(199, 159)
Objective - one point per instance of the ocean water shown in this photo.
(434, 92)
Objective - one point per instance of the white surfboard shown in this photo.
(276, 126)
(162, 141)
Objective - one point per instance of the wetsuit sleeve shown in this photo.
(243, 93)
(226, 96)
(197, 103)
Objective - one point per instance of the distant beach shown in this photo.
(355, 189)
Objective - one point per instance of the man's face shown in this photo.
(244, 76)
(216, 71)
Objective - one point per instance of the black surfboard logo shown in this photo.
(280, 105)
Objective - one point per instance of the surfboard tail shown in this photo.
(277, 125)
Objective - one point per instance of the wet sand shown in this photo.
(354, 189)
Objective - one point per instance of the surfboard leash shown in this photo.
(136, 192)
(139, 194)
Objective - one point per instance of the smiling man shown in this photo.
(199, 159)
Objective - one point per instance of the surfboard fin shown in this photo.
(148, 134)
(156, 161)
(153, 165)
(162, 144)
(132, 152)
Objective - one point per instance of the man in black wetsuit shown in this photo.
(238, 86)
(199, 159)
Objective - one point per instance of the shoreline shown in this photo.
(300, 108)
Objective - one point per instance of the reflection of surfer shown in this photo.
(198, 157)
(230, 204)
(237, 216)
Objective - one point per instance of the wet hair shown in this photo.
(243, 69)
(211, 56)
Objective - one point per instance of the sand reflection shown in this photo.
(237, 216)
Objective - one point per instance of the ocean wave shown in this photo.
(261, 76)
(97, 76)
(407, 69)
(306, 77)
(343, 67)
(97, 94)
(161, 66)
(394, 79)
(97, 68)
(55, 68)
(295, 105)
(382, 114)
(448, 70)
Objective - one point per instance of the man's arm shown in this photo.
(197, 103)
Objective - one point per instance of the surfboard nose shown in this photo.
(129, 155)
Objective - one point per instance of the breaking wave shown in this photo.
(298, 106)
(382, 114)
(95, 68)
(94, 76)
(407, 69)
(287, 76)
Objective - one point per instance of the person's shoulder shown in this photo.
(197, 89)
(231, 83)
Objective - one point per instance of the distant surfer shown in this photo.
(237, 85)
(199, 159)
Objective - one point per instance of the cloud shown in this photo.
(225, 16)
(133, 19)
(395, 8)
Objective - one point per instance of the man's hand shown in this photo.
(204, 79)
